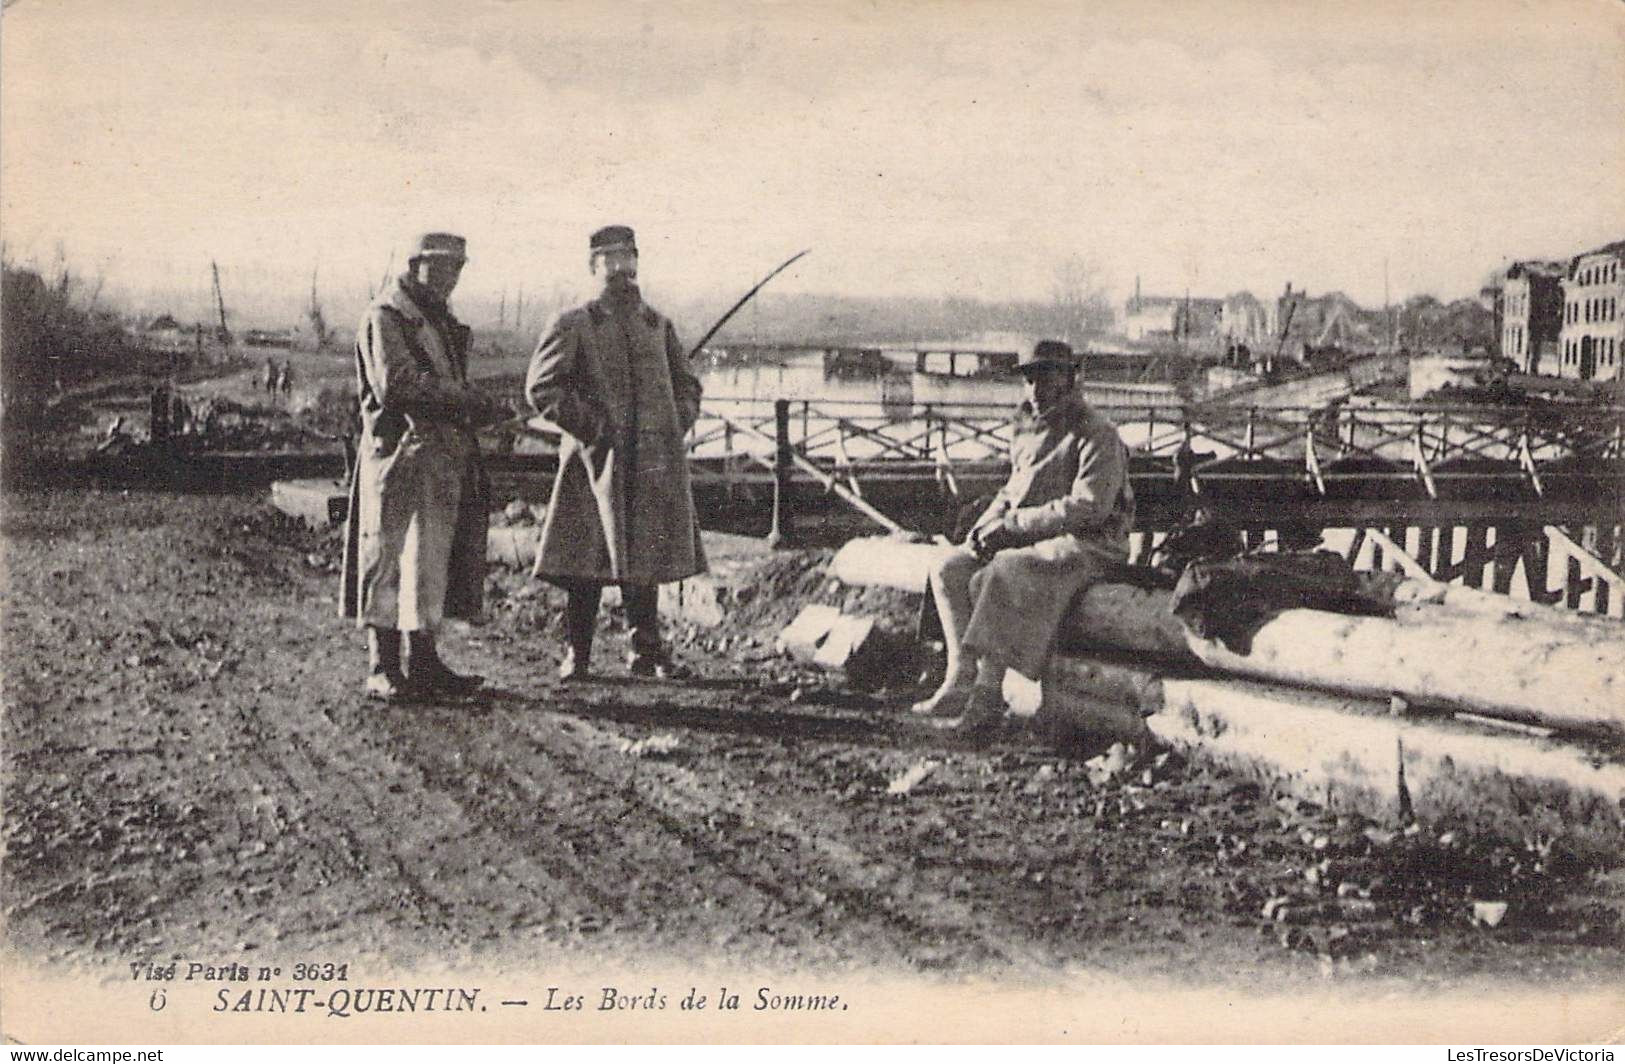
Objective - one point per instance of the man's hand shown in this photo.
(484, 409)
(614, 435)
(987, 540)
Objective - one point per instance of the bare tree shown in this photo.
(1078, 299)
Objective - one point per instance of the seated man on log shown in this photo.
(1058, 525)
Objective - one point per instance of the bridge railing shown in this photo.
(1415, 440)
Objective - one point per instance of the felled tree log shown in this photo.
(1521, 666)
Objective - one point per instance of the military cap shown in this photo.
(613, 238)
(440, 246)
(1047, 353)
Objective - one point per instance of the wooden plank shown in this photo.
(1400, 558)
(1575, 584)
(1537, 571)
(1438, 553)
(1356, 545)
(1586, 571)
(1510, 539)
(1476, 555)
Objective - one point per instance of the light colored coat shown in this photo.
(613, 377)
(1068, 507)
(419, 501)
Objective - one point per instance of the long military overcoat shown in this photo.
(419, 499)
(613, 377)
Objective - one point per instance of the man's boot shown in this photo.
(650, 656)
(580, 621)
(984, 709)
(385, 680)
(426, 672)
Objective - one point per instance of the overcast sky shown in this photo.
(929, 149)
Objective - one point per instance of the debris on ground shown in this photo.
(437, 829)
(912, 778)
(663, 745)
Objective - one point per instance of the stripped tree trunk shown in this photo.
(1523, 665)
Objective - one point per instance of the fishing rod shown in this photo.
(521, 423)
(742, 301)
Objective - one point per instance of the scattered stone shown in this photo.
(912, 778)
(663, 745)
(1111, 765)
(1356, 906)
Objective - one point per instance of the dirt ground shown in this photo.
(190, 770)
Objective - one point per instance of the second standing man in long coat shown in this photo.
(612, 375)
(415, 539)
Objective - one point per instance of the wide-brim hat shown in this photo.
(440, 246)
(1047, 354)
(613, 238)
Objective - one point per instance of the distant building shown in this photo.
(1593, 335)
(1531, 305)
(1187, 319)
(1245, 320)
(1311, 324)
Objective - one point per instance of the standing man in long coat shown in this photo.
(1059, 524)
(612, 375)
(419, 500)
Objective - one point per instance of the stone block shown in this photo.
(698, 600)
(319, 502)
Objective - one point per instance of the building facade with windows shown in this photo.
(1592, 341)
(1531, 300)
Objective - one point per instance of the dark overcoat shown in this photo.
(614, 378)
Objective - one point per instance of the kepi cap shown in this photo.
(613, 238)
(1047, 353)
(440, 246)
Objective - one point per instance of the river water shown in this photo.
(900, 404)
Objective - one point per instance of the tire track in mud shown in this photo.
(916, 923)
(539, 810)
(404, 836)
(782, 881)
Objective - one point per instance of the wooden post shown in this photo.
(779, 534)
(1574, 584)
(1475, 555)
(1438, 560)
(1356, 545)
(1510, 538)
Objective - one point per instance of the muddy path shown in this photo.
(190, 771)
